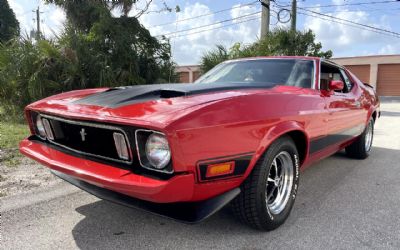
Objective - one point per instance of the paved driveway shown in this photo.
(342, 204)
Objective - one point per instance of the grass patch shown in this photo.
(10, 135)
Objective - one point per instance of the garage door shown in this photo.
(196, 75)
(389, 79)
(184, 77)
(361, 71)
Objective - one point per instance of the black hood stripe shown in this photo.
(121, 96)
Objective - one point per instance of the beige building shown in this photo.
(382, 72)
(188, 73)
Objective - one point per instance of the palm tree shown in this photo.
(124, 5)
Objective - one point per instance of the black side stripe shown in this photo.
(326, 141)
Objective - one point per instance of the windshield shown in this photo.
(290, 72)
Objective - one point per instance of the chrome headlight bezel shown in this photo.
(142, 137)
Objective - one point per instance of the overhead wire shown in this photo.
(352, 22)
(220, 27)
(322, 16)
(347, 24)
(212, 24)
(204, 15)
(348, 4)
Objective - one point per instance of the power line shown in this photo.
(208, 14)
(207, 25)
(352, 22)
(369, 10)
(315, 14)
(348, 4)
(347, 24)
(224, 26)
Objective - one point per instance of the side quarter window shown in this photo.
(346, 79)
(332, 72)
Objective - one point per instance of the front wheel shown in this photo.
(268, 194)
(362, 146)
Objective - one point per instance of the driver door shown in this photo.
(345, 119)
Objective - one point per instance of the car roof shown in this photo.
(311, 58)
(275, 57)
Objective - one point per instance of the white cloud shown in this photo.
(347, 39)
(188, 48)
(52, 17)
(58, 17)
(53, 20)
(390, 49)
(23, 16)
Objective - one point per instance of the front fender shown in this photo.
(274, 133)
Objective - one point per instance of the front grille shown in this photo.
(87, 138)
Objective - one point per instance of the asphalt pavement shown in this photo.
(341, 204)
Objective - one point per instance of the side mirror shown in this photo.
(336, 85)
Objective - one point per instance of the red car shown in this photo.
(240, 134)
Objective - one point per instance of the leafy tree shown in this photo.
(9, 26)
(214, 57)
(114, 50)
(31, 71)
(277, 42)
(95, 50)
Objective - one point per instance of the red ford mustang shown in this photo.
(240, 134)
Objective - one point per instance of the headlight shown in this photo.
(39, 127)
(157, 151)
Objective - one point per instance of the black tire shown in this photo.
(358, 148)
(251, 205)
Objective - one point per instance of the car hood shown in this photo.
(153, 105)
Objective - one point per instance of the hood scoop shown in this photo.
(169, 93)
(121, 96)
(152, 95)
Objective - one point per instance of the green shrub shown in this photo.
(105, 51)
(29, 72)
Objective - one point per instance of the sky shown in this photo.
(215, 26)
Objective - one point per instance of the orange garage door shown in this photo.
(196, 75)
(361, 71)
(183, 77)
(389, 79)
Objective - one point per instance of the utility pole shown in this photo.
(38, 34)
(294, 13)
(264, 17)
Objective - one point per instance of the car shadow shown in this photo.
(390, 113)
(389, 99)
(108, 226)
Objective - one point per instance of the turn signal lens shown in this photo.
(120, 145)
(40, 128)
(220, 169)
(48, 130)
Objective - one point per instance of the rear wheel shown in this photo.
(362, 146)
(268, 194)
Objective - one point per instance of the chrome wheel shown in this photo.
(368, 137)
(279, 182)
